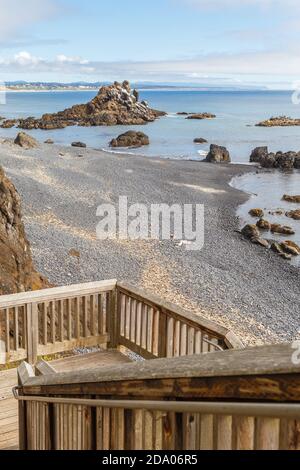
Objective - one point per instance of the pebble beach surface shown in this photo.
(241, 286)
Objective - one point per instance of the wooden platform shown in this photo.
(8, 379)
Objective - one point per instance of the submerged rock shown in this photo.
(288, 198)
(78, 144)
(294, 214)
(25, 141)
(17, 273)
(131, 139)
(201, 116)
(218, 154)
(113, 105)
(282, 229)
(264, 224)
(256, 213)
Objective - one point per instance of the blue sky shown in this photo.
(217, 42)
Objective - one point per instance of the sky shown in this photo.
(203, 42)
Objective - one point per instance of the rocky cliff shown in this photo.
(17, 273)
(114, 105)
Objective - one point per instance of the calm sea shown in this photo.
(172, 136)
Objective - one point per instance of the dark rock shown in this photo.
(293, 214)
(281, 121)
(256, 213)
(114, 105)
(8, 123)
(258, 153)
(200, 141)
(218, 154)
(78, 144)
(201, 116)
(26, 141)
(288, 198)
(293, 250)
(282, 229)
(251, 232)
(264, 224)
(131, 139)
(49, 141)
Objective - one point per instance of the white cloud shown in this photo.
(259, 67)
(17, 15)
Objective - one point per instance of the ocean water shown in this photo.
(172, 136)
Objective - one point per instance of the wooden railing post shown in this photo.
(32, 333)
(112, 319)
(162, 332)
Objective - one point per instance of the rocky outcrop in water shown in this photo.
(8, 123)
(294, 199)
(114, 105)
(281, 121)
(17, 273)
(201, 116)
(131, 139)
(218, 154)
(200, 140)
(280, 160)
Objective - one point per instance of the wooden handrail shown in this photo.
(58, 293)
(242, 400)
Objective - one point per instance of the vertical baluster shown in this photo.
(44, 324)
(267, 434)
(122, 315)
(245, 433)
(92, 315)
(144, 326)
(7, 329)
(138, 332)
(16, 329)
(100, 315)
(53, 325)
(170, 337)
(177, 338)
(127, 317)
(207, 432)
(77, 318)
(149, 328)
(69, 319)
(183, 340)
(198, 342)
(225, 433)
(191, 341)
(85, 316)
(155, 332)
(133, 321)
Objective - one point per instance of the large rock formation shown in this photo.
(280, 160)
(218, 154)
(114, 105)
(17, 273)
(281, 121)
(130, 139)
